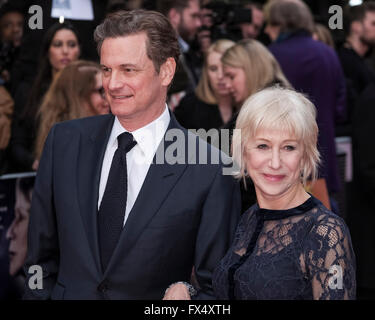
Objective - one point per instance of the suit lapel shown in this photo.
(159, 182)
(91, 154)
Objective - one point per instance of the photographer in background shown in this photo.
(252, 28)
(225, 20)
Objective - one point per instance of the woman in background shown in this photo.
(61, 46)
(75, 93)
(211, 105)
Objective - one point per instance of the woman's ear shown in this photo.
(167, 71)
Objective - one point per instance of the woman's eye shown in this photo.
(262, 146)
(289, 148)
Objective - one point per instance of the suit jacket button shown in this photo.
(103, 286)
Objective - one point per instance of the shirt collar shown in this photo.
(184, 46)
(148, 137)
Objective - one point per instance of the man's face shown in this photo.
(135, 91)
(11, 28)
(251, 30)
(368, 29)
(190, 21)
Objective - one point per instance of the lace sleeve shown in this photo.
(330, 260)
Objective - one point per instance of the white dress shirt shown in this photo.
(138, 159)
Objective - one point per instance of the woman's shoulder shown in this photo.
(327, 225)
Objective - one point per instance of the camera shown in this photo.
(226, 19)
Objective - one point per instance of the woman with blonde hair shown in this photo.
(250, 67)
(211, 105)
(75, 93)
(288, 246)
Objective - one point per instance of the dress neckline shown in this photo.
(269, 214)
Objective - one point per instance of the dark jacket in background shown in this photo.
(361, 218)
(193, 113)
(313, 68)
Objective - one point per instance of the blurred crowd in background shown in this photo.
(229, 50)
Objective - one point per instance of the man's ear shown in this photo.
(356, 27)
(167, 70)
(174, 17)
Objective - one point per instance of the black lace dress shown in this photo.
(299, 253)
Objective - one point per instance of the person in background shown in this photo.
(322, 33)
(359, 28)
(18, 231)
(288, 246)
(251, 30)
(75, 93)
(248, 68)
(60, 47)
(6, 112)
(211, 105)
(312, 68)
(11, 30)
(185, 17)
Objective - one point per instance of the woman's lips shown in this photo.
(273, 177)
(65, 61)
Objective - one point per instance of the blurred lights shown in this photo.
(355, 2)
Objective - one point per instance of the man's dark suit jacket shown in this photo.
(185, 215)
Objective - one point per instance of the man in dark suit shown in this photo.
(106, 223)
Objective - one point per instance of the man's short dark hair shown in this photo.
(161, 41)
(164, 6)
(10, 7)
(356, 13)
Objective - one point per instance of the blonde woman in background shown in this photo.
(211, 105)
(75, 93)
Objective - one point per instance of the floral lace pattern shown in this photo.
(299, 253)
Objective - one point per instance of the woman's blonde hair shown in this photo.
(260, 66)
(324, 35)
(278, 108)
(65, 98)
(204, 90)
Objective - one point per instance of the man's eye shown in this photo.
(105, 71)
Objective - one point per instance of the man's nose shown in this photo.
(115, 82)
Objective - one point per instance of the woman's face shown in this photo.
(17, 232)
(215, 74)
(97, 98)
(274, 162)
(236, 83)
(64, 49)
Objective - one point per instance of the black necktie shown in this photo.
(113, 205)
